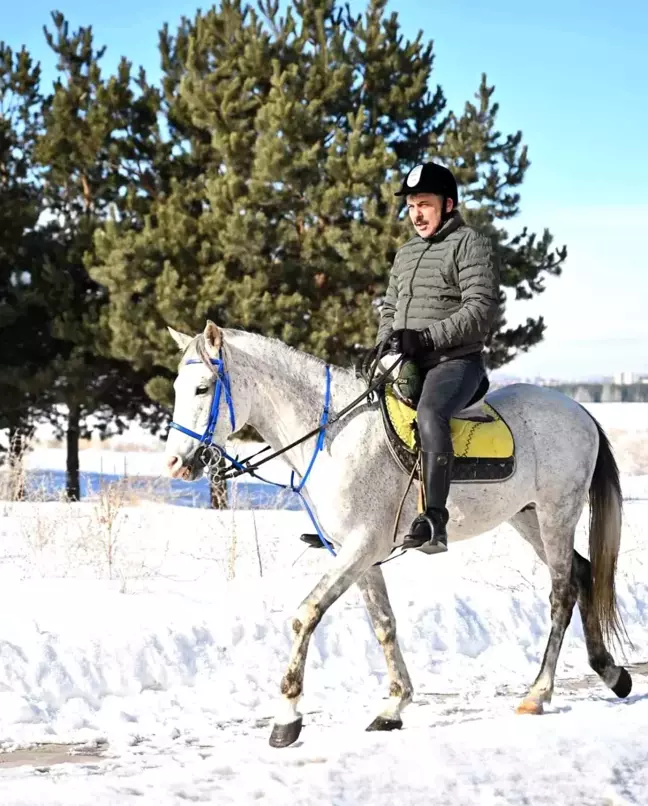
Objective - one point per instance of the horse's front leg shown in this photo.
(355, 557)
(374, 591)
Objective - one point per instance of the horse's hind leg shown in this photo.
(601, 661)
(615, 677)
(553, 538)
(374, 591)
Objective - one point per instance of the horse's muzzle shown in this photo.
(191, 470)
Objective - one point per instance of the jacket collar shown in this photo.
(455, 220)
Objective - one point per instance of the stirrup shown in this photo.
(432, 544)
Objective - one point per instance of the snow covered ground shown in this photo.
(163, 631)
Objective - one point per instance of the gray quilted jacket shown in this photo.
(448, 283)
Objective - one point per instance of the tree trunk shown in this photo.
(217, 487)
(16, 464)
(72, 482)
(217, 493)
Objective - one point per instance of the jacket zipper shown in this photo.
(411, 288)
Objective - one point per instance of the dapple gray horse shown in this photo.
(356, 486)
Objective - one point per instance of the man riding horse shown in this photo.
(439, 308)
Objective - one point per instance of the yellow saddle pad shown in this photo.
(470, 439)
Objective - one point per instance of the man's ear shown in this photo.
(181, 339)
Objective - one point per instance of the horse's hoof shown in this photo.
(623, 685)
(530, 706)
(285, 735)
(383, 723)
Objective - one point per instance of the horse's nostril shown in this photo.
(173, 464)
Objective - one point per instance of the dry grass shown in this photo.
(60, 538)
(106, 511)
(12, 479)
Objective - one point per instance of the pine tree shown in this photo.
(95, 132)
(277, 218)
(276, 210)
(26, 346)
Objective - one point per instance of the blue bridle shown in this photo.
(222, 385)
(206, 439)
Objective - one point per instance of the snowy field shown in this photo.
(159, 633)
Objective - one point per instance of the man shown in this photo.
(439, 308)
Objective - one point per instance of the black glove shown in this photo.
(411, 342)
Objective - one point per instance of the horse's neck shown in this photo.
(288, 391)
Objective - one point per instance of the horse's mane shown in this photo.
(285, 355)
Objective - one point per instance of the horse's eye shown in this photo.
(202, 390)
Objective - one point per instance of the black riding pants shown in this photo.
(447, 388)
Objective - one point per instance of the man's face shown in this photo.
(425, 212)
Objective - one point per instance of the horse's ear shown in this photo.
(213, 338)
(181, 339)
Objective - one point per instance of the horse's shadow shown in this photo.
(460, 713)
(630, 700)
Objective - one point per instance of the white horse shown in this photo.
(355, 488)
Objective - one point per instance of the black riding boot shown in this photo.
(430, 527)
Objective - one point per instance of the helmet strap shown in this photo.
(445, 215)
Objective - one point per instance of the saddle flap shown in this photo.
(483, 445)
(477, 432)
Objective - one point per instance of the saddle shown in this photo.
(483, 443)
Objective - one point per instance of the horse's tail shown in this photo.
(605, 536)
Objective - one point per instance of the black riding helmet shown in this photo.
(430, 178)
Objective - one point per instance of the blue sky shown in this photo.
(573, 77)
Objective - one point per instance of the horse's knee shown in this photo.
(307, 618)
(385, 632)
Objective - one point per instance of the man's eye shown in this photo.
(202, 390)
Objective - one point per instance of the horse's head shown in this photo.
(206, 410)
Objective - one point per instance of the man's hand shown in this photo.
(410, 342)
